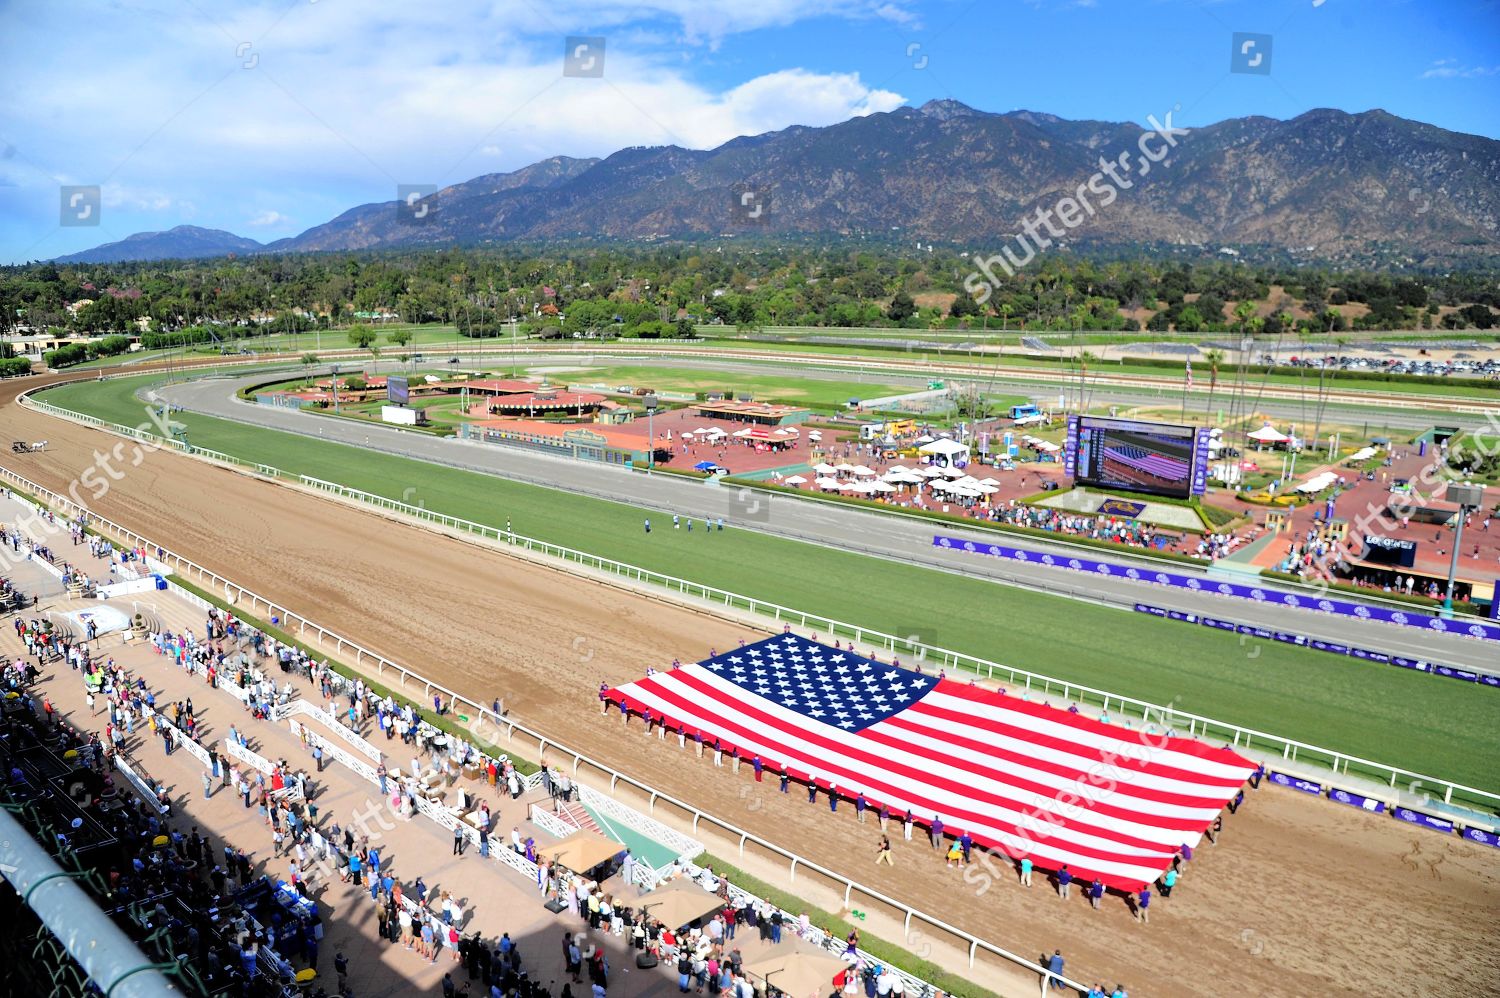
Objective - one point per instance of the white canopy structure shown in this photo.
(860, 469)
(1268, 435)
(795, 480)
(1318, 483)
(824, 468)
(931, 472)
(844, 468)
(828, 483)
(944, 447)
(1363, 454)
(881, 487)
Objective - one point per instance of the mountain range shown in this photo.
(1326, 185)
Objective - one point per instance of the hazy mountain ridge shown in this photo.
(1326, 184)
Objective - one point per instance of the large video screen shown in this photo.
(1157, 458)
(397, 390)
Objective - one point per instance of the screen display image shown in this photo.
(1138, 457)
(397, 390)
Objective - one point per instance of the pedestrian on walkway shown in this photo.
(883, 852)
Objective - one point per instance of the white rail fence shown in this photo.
(682, 846)
(306, 708)
(1195, 725)
(309, 631)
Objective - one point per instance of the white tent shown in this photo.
(1363, 454)
(944, 447)
(815, 434)
(1269, 435)
(715, 433)
(881, 487)
(844, 468)
(931, 471)
(741, 433)
(825, 468)
(795, 480)
(952, 472)
(828, 483)
(860, 469)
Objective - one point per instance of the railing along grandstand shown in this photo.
(233, 594)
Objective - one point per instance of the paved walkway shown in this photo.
(496, 899)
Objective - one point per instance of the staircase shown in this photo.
(577, 815)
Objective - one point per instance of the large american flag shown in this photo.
(1019, 776)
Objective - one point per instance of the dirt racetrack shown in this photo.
(1301, 897)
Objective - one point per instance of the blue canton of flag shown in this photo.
(839, 688)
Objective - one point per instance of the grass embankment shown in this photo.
(1394, 716)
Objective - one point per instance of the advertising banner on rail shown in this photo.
(1467, 626)
(1425, 820)
(1357, 800)
(1296, 783)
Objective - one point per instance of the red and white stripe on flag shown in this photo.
(1020, 777)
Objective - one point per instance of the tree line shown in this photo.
(666, 290)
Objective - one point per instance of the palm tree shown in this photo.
(1331, 317)
(1214, 358)
(1079, 314)
(1085, 358)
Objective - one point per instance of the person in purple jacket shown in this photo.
(1143, 905)
(937, 831)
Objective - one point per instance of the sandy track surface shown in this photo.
(1300, 897)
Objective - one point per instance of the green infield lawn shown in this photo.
(1430, 725)
(788, 389)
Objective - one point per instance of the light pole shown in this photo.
(649, 402)
(1468, 497)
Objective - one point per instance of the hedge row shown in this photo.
(14, 367)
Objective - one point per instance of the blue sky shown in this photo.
(266, 118)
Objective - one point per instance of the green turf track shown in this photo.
(1430, 725)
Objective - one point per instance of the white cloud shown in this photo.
(345, 101)
(1451, 69)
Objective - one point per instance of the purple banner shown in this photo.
(1425, 820)
(1200, 461)
(1356, 800)
(1070, 448)
(1481, 836)
(1296, 783)
(1471, 627)
(1450, 673)
(1495, 601)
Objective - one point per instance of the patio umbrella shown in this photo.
(827, 483)
(860, 469)
(931, 472)
(808, 974)
(990, 481)
(952, 472)
(679, 902)
(843, 468)
(795, 480)
(824, 468)
(704, 466)
(741, 433)
(882, 487)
